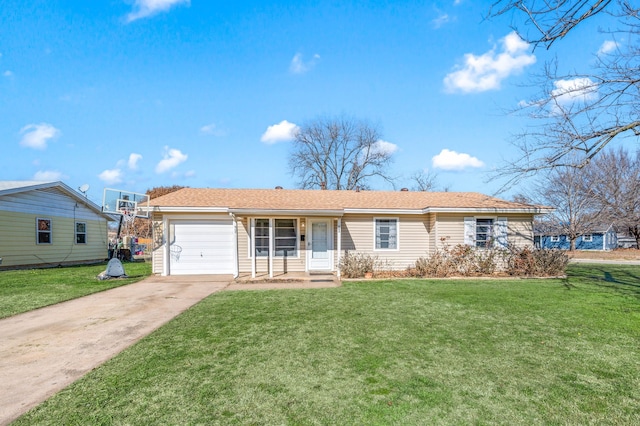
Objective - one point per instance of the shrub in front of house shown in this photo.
(536, 262)
(356, 265)
(467, 261)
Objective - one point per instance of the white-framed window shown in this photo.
(484, 232)
(262, 237)
(43, 231)
(386, 233)
(285, 237)
(81, 233)
(587, 238)
(555, 238)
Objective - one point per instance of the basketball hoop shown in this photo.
(175, 252)
(128, 215)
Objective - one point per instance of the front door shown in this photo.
(320, 245)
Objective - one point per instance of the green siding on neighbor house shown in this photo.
(18, 237)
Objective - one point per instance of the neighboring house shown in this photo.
(599, 238)
(260, 231)
(49, 224)
(625, 241)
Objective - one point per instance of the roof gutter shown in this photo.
(531, 210)
(177, 209)
(286, 212)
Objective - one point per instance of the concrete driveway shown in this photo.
(45, 350)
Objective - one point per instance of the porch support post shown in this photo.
(167, 246)
(252, 246)
(339, 236)
(271, 247)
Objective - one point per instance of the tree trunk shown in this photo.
(572, 244)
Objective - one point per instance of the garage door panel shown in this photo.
(202, 247)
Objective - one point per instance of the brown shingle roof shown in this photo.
(297, 199)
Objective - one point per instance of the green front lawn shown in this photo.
(413, 352)
(25, 290)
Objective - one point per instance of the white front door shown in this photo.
(320, 245)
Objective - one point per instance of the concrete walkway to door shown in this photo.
(45, 350)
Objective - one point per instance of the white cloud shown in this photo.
(48, 175)
(452, 160)
(36, 136)
(111, 177)
(385, 147)
(486, 72)
(283, 131)
(146, 8)
(607, 47)
(442, 19)
(213, 129)
(172, 158)
(7, 74)
(190, 173)
(133, 160)
(298, 66)
(208, 129)
(578, 89)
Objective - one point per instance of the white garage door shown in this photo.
(202, 247)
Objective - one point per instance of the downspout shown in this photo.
(236, 266)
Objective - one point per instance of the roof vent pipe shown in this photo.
(278, 187)
(404, 189)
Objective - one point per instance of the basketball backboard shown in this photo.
(117, 201)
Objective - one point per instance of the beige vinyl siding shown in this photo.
(18, 241)
(157, 243)
(520, 230)
(450, 227)
(413, 239)
(280, 264)
(433, 234)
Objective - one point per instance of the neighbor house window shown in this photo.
(43, 231)
(285, 240)
(587, 238)
(484, 232)
(555, 238)
(81, 233)
(262, 237)
(386, 234)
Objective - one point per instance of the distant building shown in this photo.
(599, 238)
(49, 224)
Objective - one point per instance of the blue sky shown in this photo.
(136, 94)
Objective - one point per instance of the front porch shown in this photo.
(285, 280)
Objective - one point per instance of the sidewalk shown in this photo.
(43, 351)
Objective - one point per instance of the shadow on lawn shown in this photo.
(622, 279)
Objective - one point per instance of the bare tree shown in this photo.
(576, 212)
(577, 113)
(614, 179)
(553, 20)
(424, 180)
(339, 153)
(141, 227)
